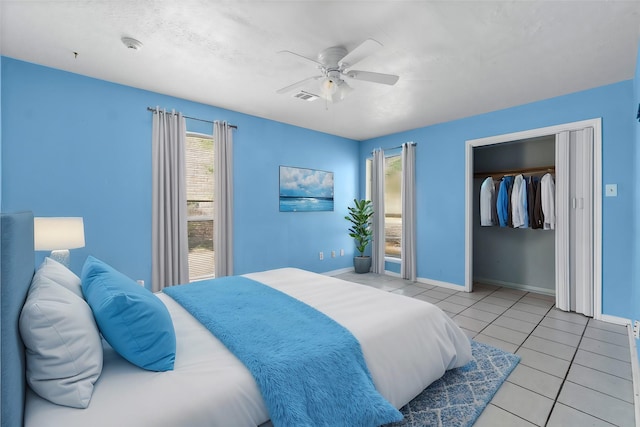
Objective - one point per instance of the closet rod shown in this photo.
(523, 171)
(195, 118)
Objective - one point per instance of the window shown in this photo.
(200, 205)
(392, 202)
(392, 205)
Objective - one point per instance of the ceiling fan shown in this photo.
(335, 65)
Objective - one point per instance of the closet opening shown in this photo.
(547, 261)
(512, 255)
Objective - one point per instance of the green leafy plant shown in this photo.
(360, 217)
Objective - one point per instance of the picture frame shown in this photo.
(305, 190)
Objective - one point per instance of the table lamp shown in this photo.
(58, 235)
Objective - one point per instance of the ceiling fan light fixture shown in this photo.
(335, 90)
(343, 89)
(329, 87)
(329, 90)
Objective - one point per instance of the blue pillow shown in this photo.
(132, 319)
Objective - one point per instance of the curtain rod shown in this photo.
(195, 118)
(399, 146)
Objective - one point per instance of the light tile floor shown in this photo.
(574, 371)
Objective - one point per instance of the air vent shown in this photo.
(306, 96)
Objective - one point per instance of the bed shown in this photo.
(406, 343)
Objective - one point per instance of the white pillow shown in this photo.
(63, 345)
(61, 275)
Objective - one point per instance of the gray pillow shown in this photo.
(63, 345)
(61, 275)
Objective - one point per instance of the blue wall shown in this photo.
(73, 145)
(440, 181)
(77, 146)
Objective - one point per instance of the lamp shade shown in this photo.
(55, 233)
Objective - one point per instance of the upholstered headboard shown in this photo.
(17, 263)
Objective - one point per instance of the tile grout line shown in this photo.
(571, 362)
(519, 347)
(555, 400)
(492, 292)
(599, 370)
(511, 306)
(564, 380)
(499, 315)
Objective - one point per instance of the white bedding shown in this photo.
(407, 344)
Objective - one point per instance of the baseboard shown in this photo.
(511, 285)
(615, 319)
(635, 373)
(440, 284)
(399, 276)
(338, 271)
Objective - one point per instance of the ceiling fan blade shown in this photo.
(297, 84)
(363, 50)
(303, 58)
(368, 76)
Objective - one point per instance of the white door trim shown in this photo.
(596, 124)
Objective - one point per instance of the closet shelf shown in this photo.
(522, 171)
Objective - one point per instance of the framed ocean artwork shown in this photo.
(305, 190)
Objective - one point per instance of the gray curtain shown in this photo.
(169, 243)
(223, 199)
(377, 199)
(408, 241)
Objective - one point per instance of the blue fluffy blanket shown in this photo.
(310, 369)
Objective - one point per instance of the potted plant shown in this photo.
(360, 217)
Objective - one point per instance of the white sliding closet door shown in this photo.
(563, 267)
(574, 216)
(582, 220)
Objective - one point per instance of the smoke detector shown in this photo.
(131, 43)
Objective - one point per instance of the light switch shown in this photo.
(611, 190)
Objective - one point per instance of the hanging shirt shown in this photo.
(494, 209)
(502, 201)
(487, 196)
(538, 218)
(509, 205)
(548, 201)
(532, 186)
(525, 204)
(519, 214)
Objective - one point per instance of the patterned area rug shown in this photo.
(459, 397)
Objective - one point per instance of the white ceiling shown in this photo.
(455, 59)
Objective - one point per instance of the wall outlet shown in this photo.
(140, 282)
(333, 254)
(321, 256)
(611, 190)
(341, 252)
(636, 329)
